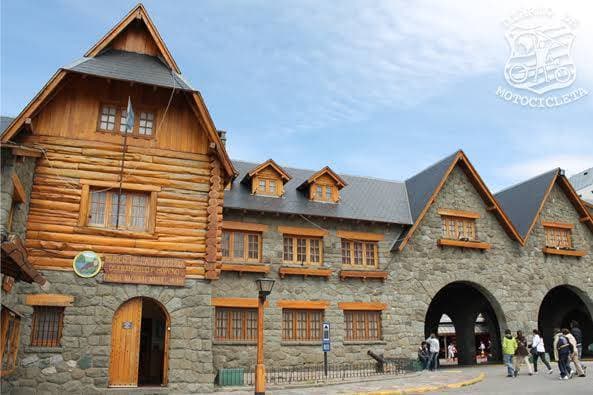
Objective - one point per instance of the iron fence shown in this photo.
(313, 373)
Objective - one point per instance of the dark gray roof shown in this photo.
(582, 180)
(421, 186)
(365, 199)
(130, 66)
(4, 122)
(521, 202)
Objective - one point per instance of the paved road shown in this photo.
(496, 382)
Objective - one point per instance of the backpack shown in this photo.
(563, 341)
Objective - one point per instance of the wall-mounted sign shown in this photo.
(144, 270)
(127, 325)
(87, 264)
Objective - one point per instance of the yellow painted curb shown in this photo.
(427, 388)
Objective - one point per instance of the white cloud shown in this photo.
(572, 164)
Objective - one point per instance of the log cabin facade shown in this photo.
(380, 260)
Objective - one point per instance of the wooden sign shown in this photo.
(143, 270)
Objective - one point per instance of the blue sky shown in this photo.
(376, 88)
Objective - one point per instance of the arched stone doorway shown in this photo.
(139, 344)
(463, 302)
(560, 306)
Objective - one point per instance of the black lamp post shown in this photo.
(264, 287)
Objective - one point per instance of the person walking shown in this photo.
(578, 335)
(434, 347)
(424, 355)
(574, 355)
(509, 346)
(561, 354)
(538, 351)
(522, 354)
(482, 348)
(452, 350)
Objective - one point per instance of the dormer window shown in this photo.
(267, 179)
(324, 186)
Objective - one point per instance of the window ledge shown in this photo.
(245, 268)
(300, 343)
(365, 342)
(233, 343)
(479, 245)
(565, 252)
(44, 350)
(364, 274)
(304, 271)
(88, 230)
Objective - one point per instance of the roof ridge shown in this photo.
(313, 171)
(526, 181)
(433, 165)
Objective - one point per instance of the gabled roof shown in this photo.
(364, 199)
(130, 66)
(325, 171)
(137, 13)
(524, 202)
(423, 188)
(269, 163)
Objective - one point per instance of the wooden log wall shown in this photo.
(185, 178)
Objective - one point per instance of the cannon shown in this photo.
(380, 361)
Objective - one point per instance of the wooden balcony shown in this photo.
(479, 245)
(364, 274)
(564, 252)
(245, 268)
(305, 271)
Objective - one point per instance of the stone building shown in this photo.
(381, 261)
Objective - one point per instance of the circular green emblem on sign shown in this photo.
(87, 264)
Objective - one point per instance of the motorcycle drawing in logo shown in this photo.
(540, 59)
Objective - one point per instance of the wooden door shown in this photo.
(125, 344)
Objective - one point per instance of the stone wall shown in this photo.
(24, 168)
(81, 364)
(334, 290)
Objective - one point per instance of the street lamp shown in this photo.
(264, 287)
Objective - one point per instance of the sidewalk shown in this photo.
(408, 384)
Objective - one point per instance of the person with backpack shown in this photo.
(509, 346)
(521, 354)
(538, 350)
(561, 353)
(574, 355)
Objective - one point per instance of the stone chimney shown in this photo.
(222, 135)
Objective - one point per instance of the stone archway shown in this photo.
(139, 344)
(463, 301)
(561, 305)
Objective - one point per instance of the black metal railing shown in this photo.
(313, 373)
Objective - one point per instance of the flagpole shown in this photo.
(123, 159)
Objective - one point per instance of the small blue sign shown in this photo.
(326, 346)
(326, 338)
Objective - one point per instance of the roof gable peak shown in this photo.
(269, 163)
(126, 34)
(326, 170)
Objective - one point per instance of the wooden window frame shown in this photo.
(351, 257)
(10, 342)
(119, 109)
(558, 235)
(295, 335)
(308, 240)
(245, 257)
(85, 202)
(333, 196)
(267, 190)
(452, 224)
(248, 320)
(59, 321)
(352, 321)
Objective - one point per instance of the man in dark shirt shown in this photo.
(578, 335)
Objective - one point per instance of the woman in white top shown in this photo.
(539, 351)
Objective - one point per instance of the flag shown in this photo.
(129, 117)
